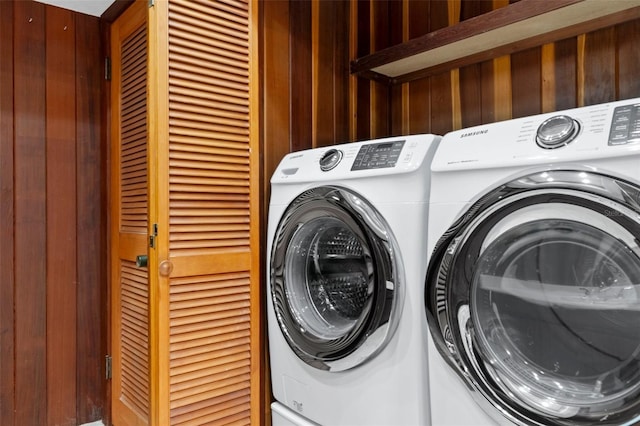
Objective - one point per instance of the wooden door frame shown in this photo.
(158, 159)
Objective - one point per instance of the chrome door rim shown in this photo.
(451, 322)
(344, 348)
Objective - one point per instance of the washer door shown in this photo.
(533, 297)
(336, 278)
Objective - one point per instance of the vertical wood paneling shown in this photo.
(421, 20)
(30, 215)
(471, 95)
(40, 356)
(627, 36)
(380, 93)
(91, 220)
(276, 68)
(414, 97)
(300, 69)
(363, 86)
(501, 70)
(441, 106)
(276, 114)
(599, 67)
(323, 49)
(472, 85)
(526, 89)
(500, 103)
(42, 291)
(592, 68)
(443, 101)
(61, 217)
(488, 91)
(7, 283)
(398, 101)
(305, 76)
(565, 74)
(453, 18)
(547, 78)
(329, 49)
(341, 59)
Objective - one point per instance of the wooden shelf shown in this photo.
(513, 28)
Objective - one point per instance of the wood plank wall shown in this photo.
(584, 70)
(305, 76)
(52, 221)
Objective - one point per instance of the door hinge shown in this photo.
(151, 3)
(152, 237)
(107, 367)
(107, 68)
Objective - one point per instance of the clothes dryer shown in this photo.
(346, 264)
(533, 287)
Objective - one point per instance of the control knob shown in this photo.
(330, 159)
(557, 131)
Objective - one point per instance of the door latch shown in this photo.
(152, 237)
(108, 367)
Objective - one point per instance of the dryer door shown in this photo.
(533, 297)
(336, 278)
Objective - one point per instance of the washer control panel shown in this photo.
(378, 155)
(625, 125)
(355, 160)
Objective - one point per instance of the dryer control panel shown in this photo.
(587, 134)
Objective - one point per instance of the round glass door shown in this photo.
(335, 278)
(542, 299)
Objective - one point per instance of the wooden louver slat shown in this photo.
(196, 66)
(133, 158)
(209, 356)
(134, 336)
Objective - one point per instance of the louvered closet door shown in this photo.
(186, 331)
(130, 346)
(207, 201)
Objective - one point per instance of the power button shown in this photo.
(330, 159)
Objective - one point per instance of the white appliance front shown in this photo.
(533, 287)
(346, 265)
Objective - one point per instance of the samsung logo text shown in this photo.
(476, 133)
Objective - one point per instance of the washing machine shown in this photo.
(346, 264)
(533, 288)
